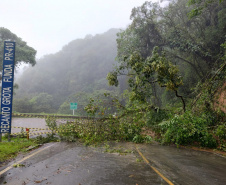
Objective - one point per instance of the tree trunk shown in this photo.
(182, 99)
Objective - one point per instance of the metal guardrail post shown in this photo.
(27, 131)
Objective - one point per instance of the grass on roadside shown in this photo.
(11, 149)
(19, 144)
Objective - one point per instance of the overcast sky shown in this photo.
(47, 25)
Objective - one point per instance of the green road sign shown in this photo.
(73, 106)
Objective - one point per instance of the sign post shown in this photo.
(7, 87)
(73, 106)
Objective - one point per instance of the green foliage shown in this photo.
(187, 129)
(138, 139)
(98, 130)
(51, 123)
(23, 134)
(139, 160)
(18, 165)
(47, 139)
(24, 53)
(11, 149)
(65, 108)
(155, 116)
(101, 100)
(221, 131)
(146, 72)
(167, 73)
(81, 98)
(91, 109)
(191, 45)
(142, 139)
(42, 103)
(112, 79)
(5, 136)
(22, 105)
(148, 139)
(200, 6)
(207, 93)
(102, 104)
(127, 131)
(188, 48)
(208, 140)
(68, 132)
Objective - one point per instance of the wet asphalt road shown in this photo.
(28, 123)
(187, 166)
(74, 164)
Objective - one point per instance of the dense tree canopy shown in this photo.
(192, 44)
(200, 6)
(24, 53)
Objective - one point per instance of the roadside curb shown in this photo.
(219, 153)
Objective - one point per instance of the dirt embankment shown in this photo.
(220, 97)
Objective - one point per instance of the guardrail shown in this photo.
(56, 116)
(74, 119)
(31, 131)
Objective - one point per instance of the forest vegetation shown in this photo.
(164, 75)
(73, 74)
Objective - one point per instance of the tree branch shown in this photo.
(190, 63)
(182, 99)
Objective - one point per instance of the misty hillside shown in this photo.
(81, 66)
(171, 62)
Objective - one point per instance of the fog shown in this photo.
(48, 25)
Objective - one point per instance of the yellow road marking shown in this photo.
(161, 175)
(25, 158)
